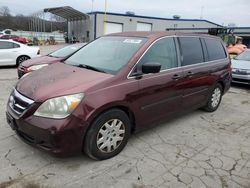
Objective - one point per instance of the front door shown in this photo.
(159, 94)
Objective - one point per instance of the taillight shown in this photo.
(38, 52)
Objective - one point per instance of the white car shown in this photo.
(14, 53)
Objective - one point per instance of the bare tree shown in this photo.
(4, 11)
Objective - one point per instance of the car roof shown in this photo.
(158, 34)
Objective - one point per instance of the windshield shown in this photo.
(108, 54)
(66, 51)
(244, 56)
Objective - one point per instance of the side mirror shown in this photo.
(151, 67)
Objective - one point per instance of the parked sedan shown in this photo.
(54, 57)
(241, 68)
(14, 53)
(15, 38)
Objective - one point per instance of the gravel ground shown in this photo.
(196, 150)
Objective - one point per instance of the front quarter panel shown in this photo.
(123, 94)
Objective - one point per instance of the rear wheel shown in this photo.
(214, 99)
(21, 59)
(108, 135)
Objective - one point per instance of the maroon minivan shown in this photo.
(116, 85)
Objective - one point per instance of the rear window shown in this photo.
(191, 50)
(215, 49)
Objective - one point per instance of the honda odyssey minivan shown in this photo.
(117, 85)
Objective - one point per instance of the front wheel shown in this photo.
(108, 135)
(214, 99)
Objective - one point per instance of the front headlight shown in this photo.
(59, 107)
(36, 67)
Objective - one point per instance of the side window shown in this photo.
(163, 52)
(16, 45)
(6, 45)
(215, 49)
(191, 50)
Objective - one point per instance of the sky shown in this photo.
(222, 12)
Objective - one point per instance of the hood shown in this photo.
(240, 64)
(41, 60)
(57, 80)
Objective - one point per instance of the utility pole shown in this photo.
(105, 17)
(92, 8)
(201, 16)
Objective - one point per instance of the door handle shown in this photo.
(189, 74)
(176, 77)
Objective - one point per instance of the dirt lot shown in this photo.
(196, 150)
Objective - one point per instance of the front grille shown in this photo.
(22, 68)
(19, 103)
(31, 140)
(26, 137)
(21, 71)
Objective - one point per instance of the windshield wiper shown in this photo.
(90, 68)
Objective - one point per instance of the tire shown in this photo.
(100, 139)
(21, 59)
(214, 99)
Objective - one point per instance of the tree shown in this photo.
(4, 11)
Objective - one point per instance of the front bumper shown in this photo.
(61, 137)
(242, 79)
(21, 71)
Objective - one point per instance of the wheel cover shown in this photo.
(21, 59)
(216, 97)
(110, 135)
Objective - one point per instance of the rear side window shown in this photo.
(215, 49)
(16, 45)
(191, 50)
(6, 45)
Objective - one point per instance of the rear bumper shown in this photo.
(62, 137)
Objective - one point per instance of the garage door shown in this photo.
(144, 26)
(113, 28)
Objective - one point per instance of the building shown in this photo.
(129, 22)
(87, 27)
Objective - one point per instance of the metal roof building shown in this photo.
(87, 27)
